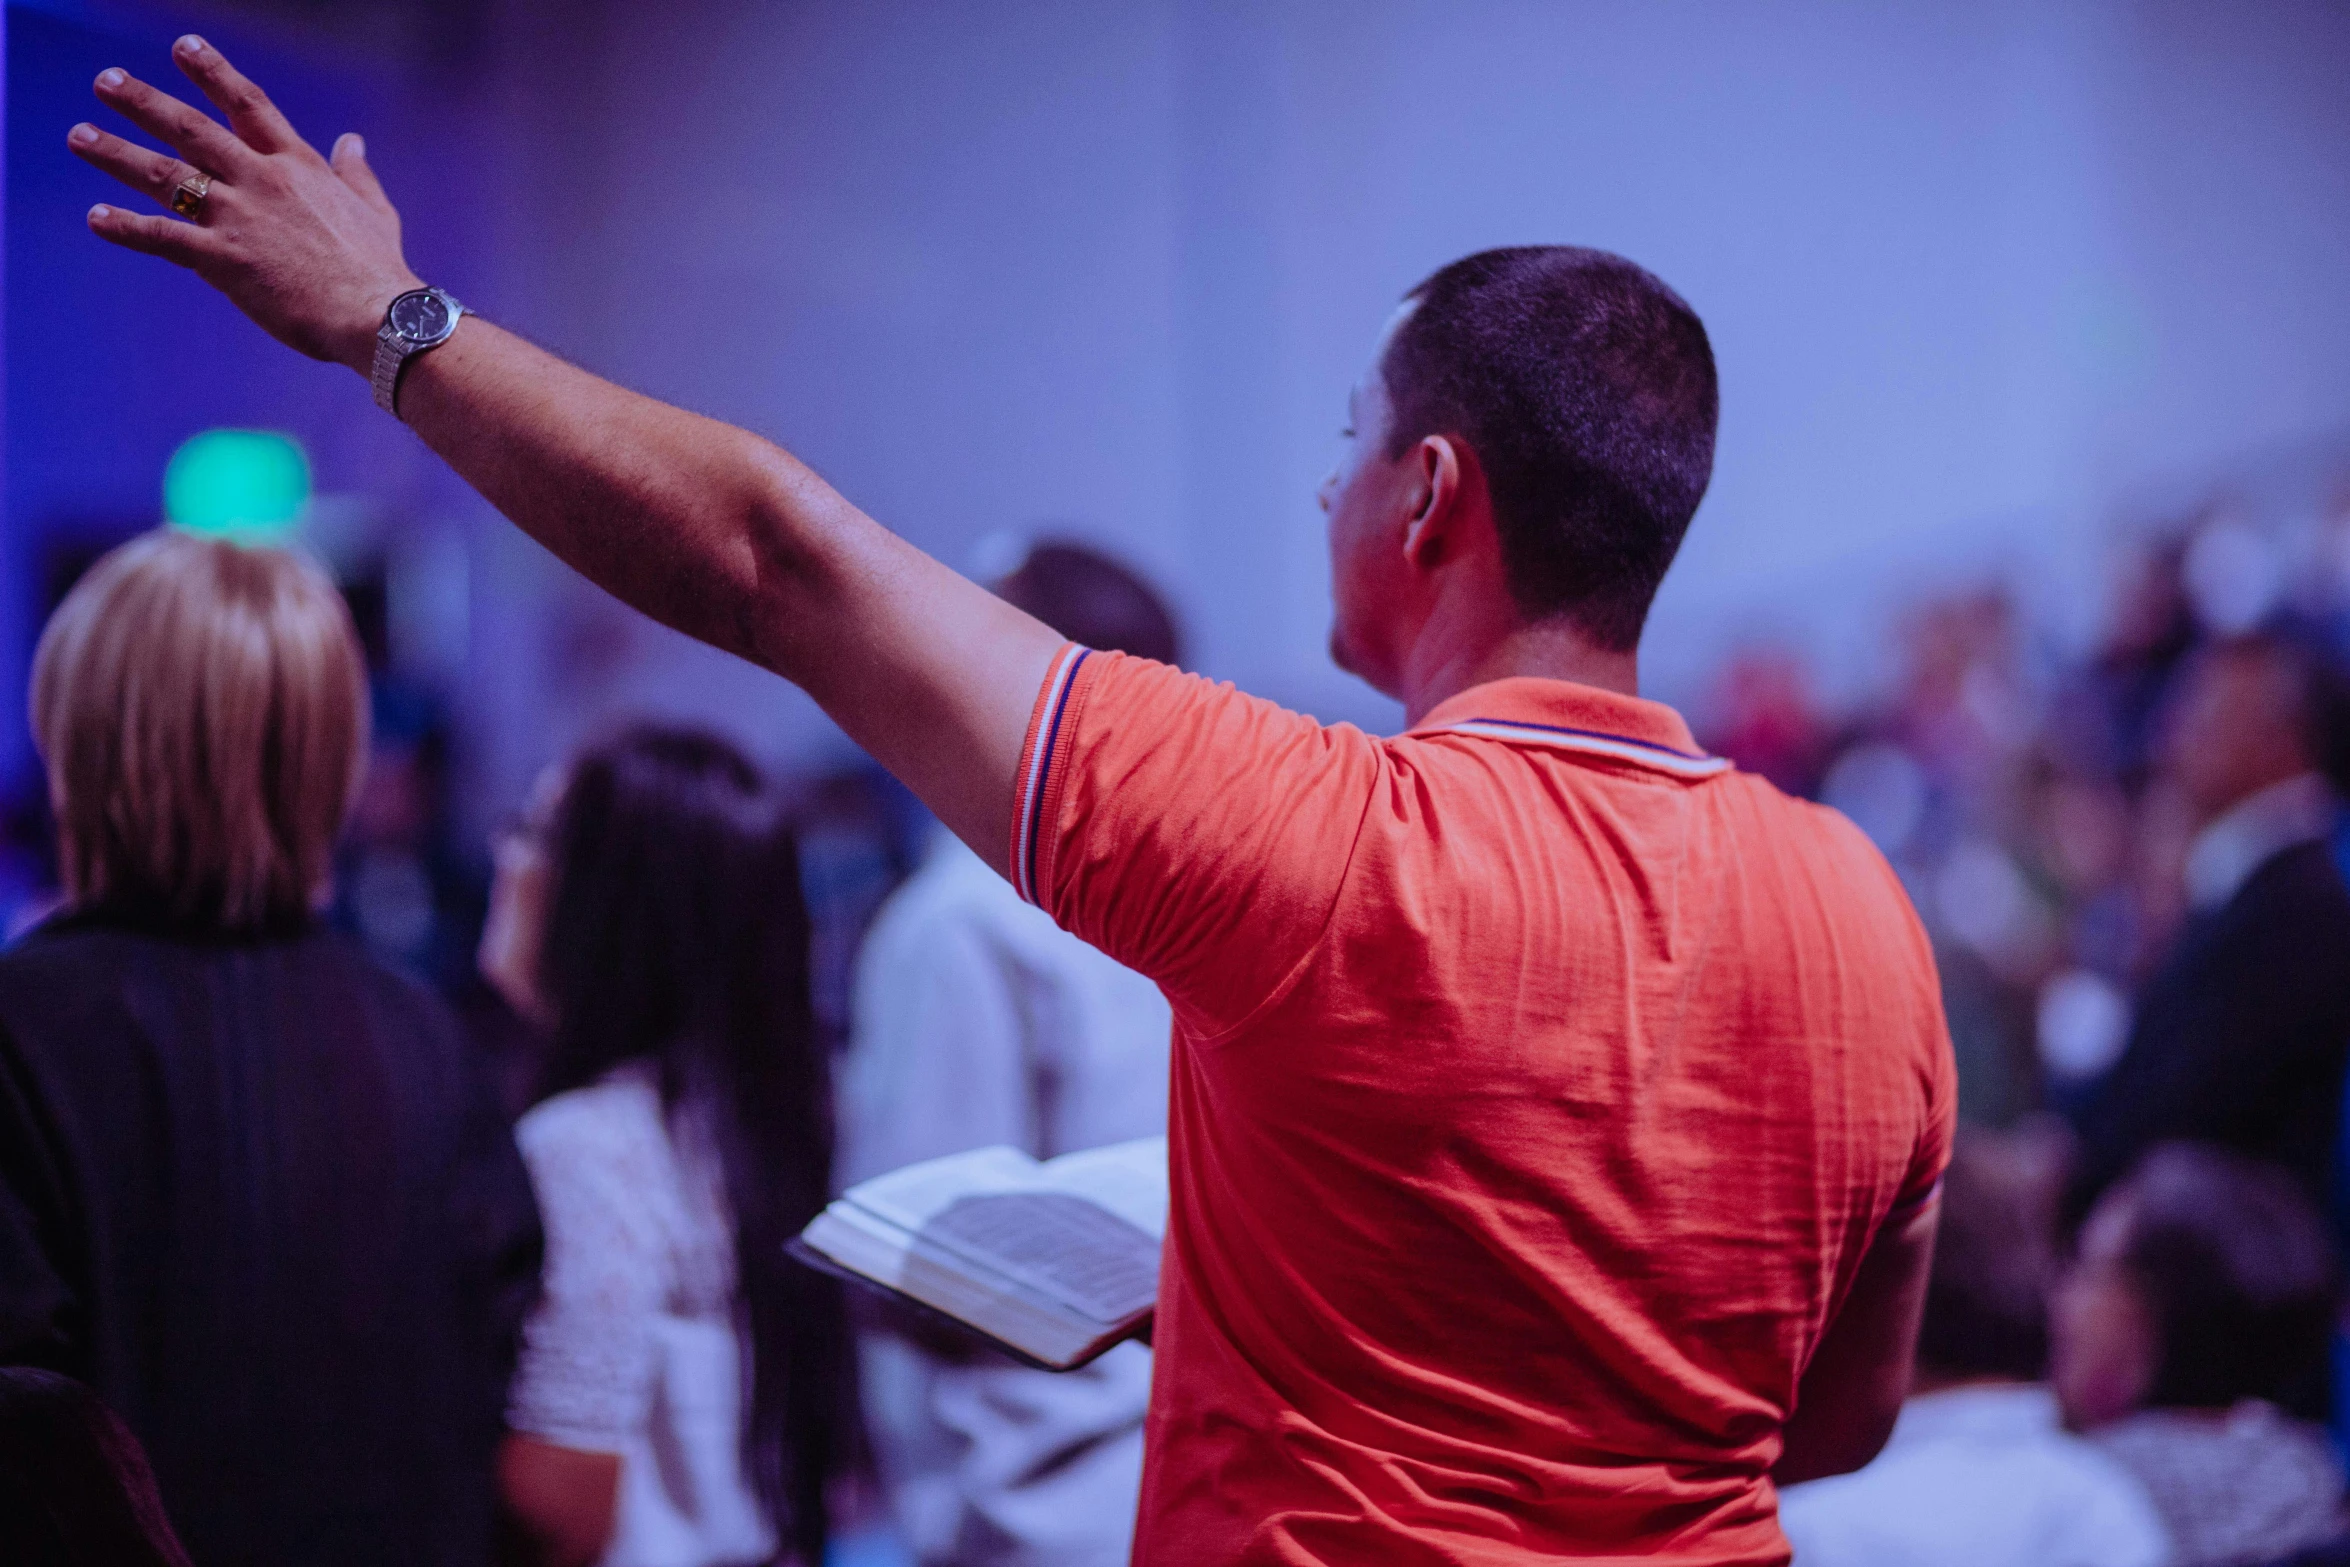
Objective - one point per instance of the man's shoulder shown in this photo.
(1826, 882)
(1804, 821)
(1124, 708)
(1829, 838)
(1784, 836)
(76, 940)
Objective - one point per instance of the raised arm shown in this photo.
(704, 527)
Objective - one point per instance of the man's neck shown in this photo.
(1548, 650)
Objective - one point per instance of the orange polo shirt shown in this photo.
(1538, 1084)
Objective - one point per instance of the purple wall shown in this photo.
(113, 359)
(1977, 274)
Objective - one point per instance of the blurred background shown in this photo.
(2031, 317)
(2034, 344)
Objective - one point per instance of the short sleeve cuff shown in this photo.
(585, 1436)
(1051, 728)
(565, 1400)
(1914, 1200)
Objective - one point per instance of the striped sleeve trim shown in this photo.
(1036, 768)
(1911, 1204)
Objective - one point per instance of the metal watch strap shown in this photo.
(392, 353)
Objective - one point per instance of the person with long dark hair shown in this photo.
(676, 1396)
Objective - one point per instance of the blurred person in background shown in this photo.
(1980, 1471)
(2149, 634)
(979, 1021)
(2203, 1298)
(1930, 773)
(680, 1386)
(1765, 717)
(75, 1489)
(252, 1187)
(2239, 1037)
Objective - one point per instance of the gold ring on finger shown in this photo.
(187, 198)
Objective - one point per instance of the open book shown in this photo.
(1054, 1262)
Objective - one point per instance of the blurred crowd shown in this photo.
(2131, 859)
(367, 1197)
(706, 996)
(2135, 1396)
(2041, 802)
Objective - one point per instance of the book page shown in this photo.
(1069, 1248)
(1083, 1230)
(1129, 1179)
(909, 1197)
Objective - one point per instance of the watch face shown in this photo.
(421, 317)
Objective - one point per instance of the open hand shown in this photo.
(308, 248)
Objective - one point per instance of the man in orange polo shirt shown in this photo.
(1557, 1112)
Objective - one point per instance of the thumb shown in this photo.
(350, 162)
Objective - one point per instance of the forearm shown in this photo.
(730, 539)
(1852, 1391)
(702, 526)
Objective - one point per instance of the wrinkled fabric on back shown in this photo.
(1538, 1084)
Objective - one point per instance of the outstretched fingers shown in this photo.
(187, 130)
(177, 242)
(350, 165)
(250, 113)
(150, 173)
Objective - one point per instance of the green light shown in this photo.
(249, 485)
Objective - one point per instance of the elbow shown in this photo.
(796, 559)
(1864, 1441)
(558, 1503)
(1818, 1448)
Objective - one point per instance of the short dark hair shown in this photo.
(1093, 599)
(2239, 1273)
(1586, 389)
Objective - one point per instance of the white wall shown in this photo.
(1971, 271)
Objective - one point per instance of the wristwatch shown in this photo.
(417, 321)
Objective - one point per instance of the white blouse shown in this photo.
(636, 1347)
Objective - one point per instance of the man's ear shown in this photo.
(1436, 493)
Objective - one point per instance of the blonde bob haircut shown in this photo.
(202, 710)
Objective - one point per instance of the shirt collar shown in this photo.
(2249, 833)
(1562, 715)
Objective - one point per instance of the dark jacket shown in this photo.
(259, 1195)
(2240, 1037)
